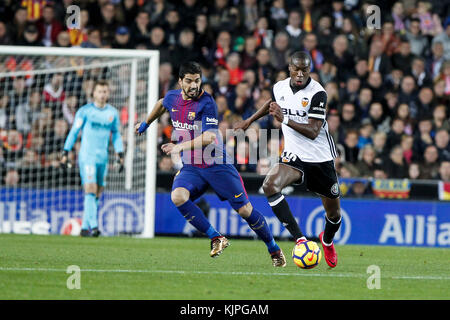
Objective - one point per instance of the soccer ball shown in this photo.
(306, 255)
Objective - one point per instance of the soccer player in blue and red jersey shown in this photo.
(194, 117)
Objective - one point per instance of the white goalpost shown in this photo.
(40, 90)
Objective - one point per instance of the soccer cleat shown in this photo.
(278, 259)
(85, 233)
(329, 252)
(218, 244)
(95, 232)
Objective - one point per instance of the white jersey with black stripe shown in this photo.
(309, 102)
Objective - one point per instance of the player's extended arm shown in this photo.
(157, 112)
(263, 111)
(310, 130)
(202, 140)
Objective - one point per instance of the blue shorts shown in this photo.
(93, 173)
(222, 178)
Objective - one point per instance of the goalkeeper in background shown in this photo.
(98, 121)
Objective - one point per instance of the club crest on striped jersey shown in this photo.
(191, 115)
(305, 102)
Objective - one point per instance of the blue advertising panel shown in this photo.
(377, 222)
(45, 211)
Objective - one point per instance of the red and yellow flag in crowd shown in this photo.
(34, 8)
(444, 190)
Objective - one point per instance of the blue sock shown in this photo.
(90, 211)
(258, 223)
(195, 216)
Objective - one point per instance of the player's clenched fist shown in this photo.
(170, 148)
(275, 111)
(140, 128)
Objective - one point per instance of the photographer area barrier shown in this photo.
(371, 222)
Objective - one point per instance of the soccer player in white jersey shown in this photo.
(299, 103)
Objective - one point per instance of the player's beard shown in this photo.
(193, 94)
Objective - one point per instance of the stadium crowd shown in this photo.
(388, 87)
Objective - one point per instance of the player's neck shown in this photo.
(99, 105)
(295, 89)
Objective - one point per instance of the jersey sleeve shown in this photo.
(166, 101)
(317, 109)
(78, 124)
(210, 116)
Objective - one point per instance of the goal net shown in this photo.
(40, 91)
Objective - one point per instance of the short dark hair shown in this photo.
(301, 55)
(100, 82)
(190, 67)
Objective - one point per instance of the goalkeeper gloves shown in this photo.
(143, 127)
(65, 162)
(119, 162)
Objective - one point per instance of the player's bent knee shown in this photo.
(334, 215)
(270, 188)
(179, 196)
(245, 210)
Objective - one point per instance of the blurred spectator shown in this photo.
(349, 118)
(107, 24)
(278, 14)
(158, 42)
(402, 112)
(263, 69)
(442, 141)
(233, 62)
(334, 127)
(390, 41)
(19, 24)
(444, 171)
(380, 121)
(12, 178)
(172, 27)
(394, 136)
(49, 27)
(263, 166)
(351, 146)
(414, 172)
(398, 14)
(12, 147)
(30, 36)
(222, 17)
(419, 73)
(436, 60)
(293, 30)
(378, 60)
(444, 38)
(403, 58)
(69, 108)
(365, 133)
(140, 31)
(366, 164)
(423, 136)
(342, 58)
(379, 145)
(396, 167)
(430, 164)
(27, 113)
(5, 35)
(54, 91)
(240, 102)
(440, 118)
(407, 143)
(310, 46)
(122, 39)
(418, 42)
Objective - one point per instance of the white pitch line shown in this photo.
(300, 274)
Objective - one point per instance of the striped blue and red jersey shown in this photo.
(190, 118)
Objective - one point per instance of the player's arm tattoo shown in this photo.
(157, 111)
(310, 130)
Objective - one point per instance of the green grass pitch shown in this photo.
(165, 268)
